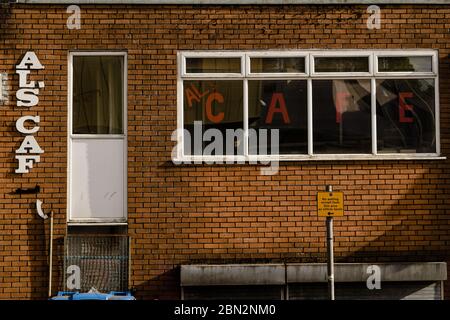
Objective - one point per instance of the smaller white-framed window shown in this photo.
(97, 137)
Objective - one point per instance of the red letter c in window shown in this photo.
(209, 114)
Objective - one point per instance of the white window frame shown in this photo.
(123, 136)
(309, 76)
(341, 54)
(409, 74)
(269, 75)
(215, 74)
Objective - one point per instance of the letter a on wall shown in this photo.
(30, 61)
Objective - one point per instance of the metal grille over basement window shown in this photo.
(103, 262)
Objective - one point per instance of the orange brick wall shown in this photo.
(395, 210)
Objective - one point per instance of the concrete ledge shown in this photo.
(280, 274)
(233, 274)
(236, 2)
(357, 272)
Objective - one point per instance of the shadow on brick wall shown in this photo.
(405, 238)
(165, 286)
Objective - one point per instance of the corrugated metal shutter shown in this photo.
(359, 291)
(233, 292)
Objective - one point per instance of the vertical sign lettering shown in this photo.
(28, 96)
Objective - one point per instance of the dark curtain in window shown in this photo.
(97, 95)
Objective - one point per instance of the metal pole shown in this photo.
(330, 253)
(50, 264)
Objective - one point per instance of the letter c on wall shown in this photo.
(20, 124)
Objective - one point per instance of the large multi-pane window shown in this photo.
(324, 104)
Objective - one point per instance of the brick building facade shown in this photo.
(396, 210)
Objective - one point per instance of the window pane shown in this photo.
(341, 64)
(97, 95)
(215, 106)
(341, 116)
(273, 65)
(406, 116)
(405, 64)
(213, 65)
(278, 104)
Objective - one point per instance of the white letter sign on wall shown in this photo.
(27, 96)
(20, 124)
(30, 62)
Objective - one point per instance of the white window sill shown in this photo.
(97, 222)
(282, 158)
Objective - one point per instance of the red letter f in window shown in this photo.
(341, 104)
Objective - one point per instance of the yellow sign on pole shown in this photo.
(330, 204)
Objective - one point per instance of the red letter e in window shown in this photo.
(403, 107)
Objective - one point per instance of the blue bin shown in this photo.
(113, 295)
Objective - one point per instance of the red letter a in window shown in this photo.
(277, 105)
(190, 96)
